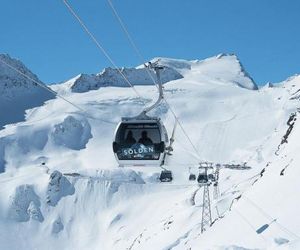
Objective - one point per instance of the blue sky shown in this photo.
(43, 34)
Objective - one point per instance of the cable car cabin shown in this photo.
(166, 176)
(192, 177)
(140, 142)
(202, 178)
(212, 177)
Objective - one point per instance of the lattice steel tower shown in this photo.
(206, 210)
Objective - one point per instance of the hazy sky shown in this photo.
(265, 34)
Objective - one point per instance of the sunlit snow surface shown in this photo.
(61, 187)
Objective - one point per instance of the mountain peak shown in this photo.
(7, 73)
(227, 68)
(18, 92)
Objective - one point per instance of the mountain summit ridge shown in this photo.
(224, 65)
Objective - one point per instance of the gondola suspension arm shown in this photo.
(157, 69)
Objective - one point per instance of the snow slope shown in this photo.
(64, 187)
(17, 93)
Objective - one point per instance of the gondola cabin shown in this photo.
(166, 176)
(140, 142)
(203, 176)
(192, 177)
(212, 177)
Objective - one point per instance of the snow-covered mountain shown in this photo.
(112, 77)
(18, 93)
(224, 68)
(61, 187)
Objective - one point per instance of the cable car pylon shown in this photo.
(204, 179)
(206, 209)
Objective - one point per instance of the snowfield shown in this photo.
(61, 187)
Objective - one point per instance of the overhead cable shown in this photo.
(99, 46)
(130, 39)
